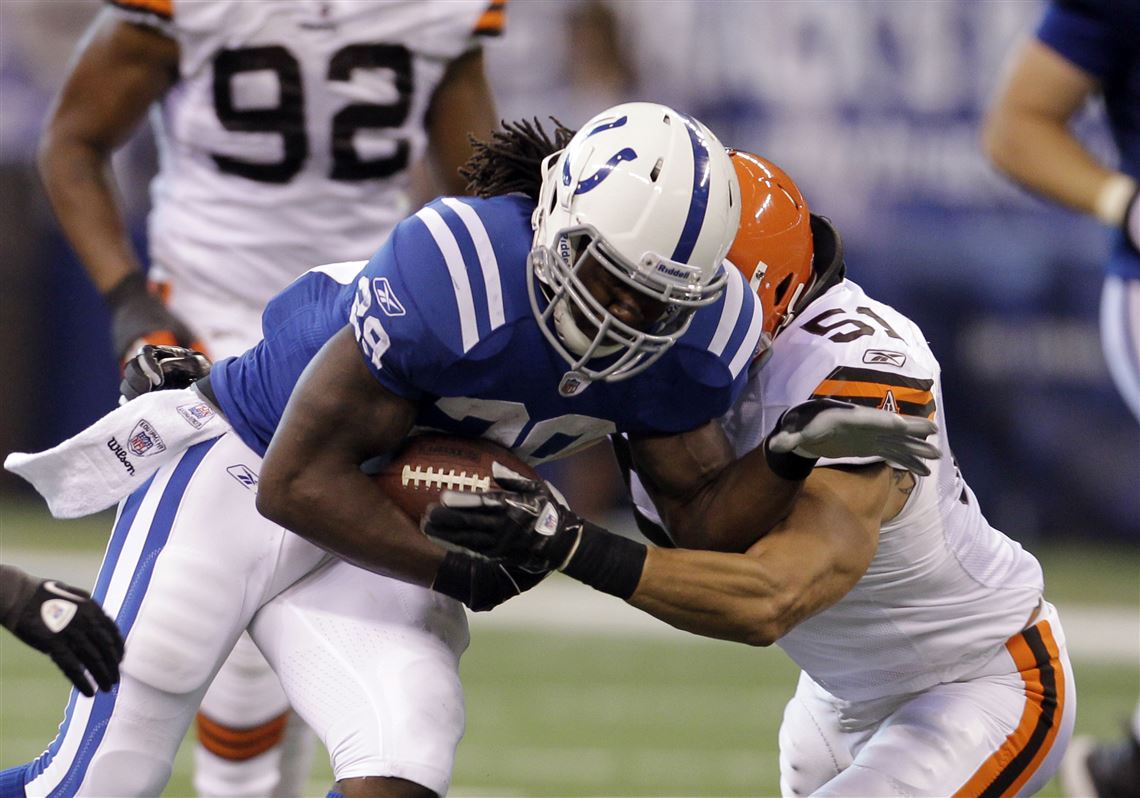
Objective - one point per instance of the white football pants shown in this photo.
(1120, 337)
(250, 743)
(999, 732)
(370, 663)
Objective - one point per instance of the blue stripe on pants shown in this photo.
(103, 704)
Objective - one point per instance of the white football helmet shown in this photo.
(650, 193)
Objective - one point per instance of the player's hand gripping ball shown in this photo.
(427, 465)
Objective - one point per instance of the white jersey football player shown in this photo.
(931, 663)
(287, 133)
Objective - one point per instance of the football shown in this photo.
(427, 465)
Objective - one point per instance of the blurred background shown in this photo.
(874, 108)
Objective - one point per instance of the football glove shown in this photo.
(480, 584)
(526, 526)
(65, 623)
(158, 368)
(138, 317)
(831, 428)
(521, 524)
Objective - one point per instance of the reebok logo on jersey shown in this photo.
(121, 455)
(57, 614)
(386, 298)
(244, 475)
(884, 357)
(196, 415)
(145, 439)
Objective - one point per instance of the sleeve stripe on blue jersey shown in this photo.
(487, 260)
(747, 348)
(729, 313)
(447, 244)
(344, 273)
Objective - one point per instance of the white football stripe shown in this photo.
(487, 260)
(344, 272)
(747, 348)
(455, 266)
(729, 311)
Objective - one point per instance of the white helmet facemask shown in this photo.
(636, 182)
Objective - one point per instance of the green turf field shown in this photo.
(573, 714)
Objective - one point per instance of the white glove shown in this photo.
(830, 428)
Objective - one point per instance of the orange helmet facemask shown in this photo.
(773, 246)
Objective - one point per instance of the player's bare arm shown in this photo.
(706, 497)
(808, 562)
(462, 106)
(121, 70)
(1026, 130)
(711, 501)
(337, 417)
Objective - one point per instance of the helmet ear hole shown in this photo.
(782, 289)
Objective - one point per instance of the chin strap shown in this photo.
(572, 336)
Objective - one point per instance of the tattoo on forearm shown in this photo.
(903, 481)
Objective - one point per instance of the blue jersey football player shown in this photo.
(1082, 50)
(582, 293)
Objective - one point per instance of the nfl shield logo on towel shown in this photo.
(145, 440)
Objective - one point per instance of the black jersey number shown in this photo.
(846, 328)
(287, 117)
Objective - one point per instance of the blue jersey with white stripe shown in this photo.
(1102, 37)
(442, 317)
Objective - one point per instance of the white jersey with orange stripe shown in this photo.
(288, 137)
(945, 589)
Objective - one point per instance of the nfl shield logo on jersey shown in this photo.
(573, 383)
(145, 440)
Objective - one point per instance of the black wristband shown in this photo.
(607, 562)
(131, 286)
(788, 465)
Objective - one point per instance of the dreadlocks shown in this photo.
(511, 160)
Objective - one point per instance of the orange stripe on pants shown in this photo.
(240, 744)
(1038, 659)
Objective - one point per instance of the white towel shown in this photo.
(110, 459)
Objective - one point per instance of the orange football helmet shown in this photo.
(773, 245)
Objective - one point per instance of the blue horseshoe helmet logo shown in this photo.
(591, 182)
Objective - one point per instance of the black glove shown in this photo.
(67, 625)
(831, 428)
(524, 525)
(158, 368)
(137, 316)
(481, 584)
